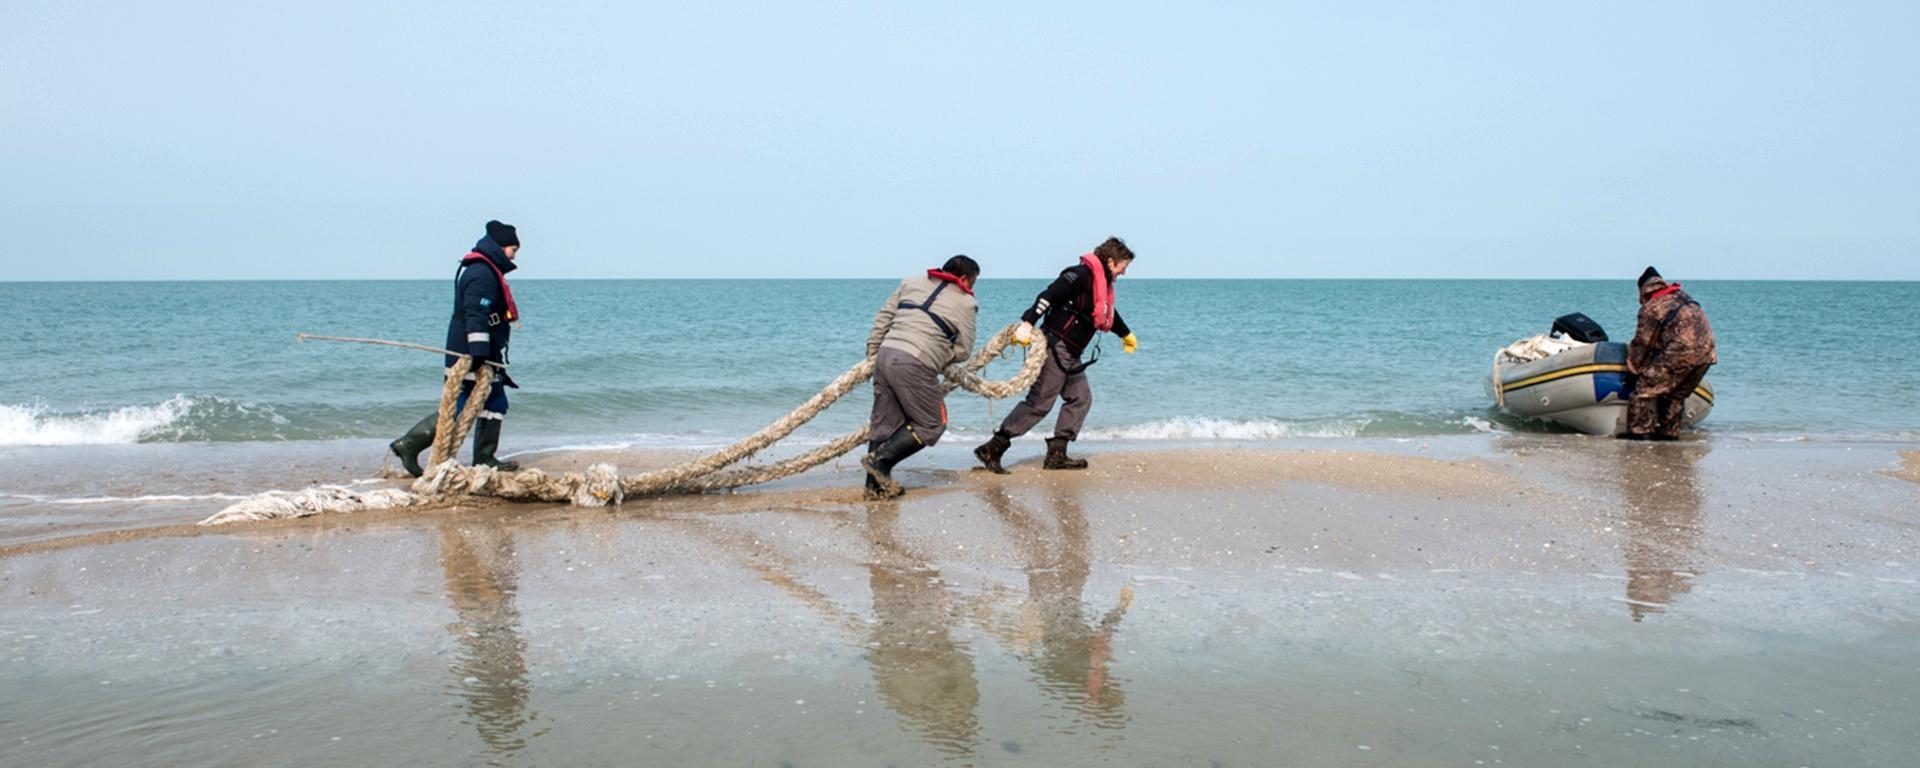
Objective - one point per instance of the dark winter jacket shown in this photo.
(480, 324)
(1067, 306)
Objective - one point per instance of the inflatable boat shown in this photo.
(1573, 376)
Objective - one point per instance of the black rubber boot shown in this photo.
(409, 446)
(880, 463)
(1057, 457)
(486, 440)
(990, 452)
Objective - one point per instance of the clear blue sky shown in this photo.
(719, 139)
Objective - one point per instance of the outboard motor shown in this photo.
(1579, 327)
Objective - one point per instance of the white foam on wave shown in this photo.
(1205, 428)
(668, 442)
(1480, 425)
(38, 425)
(40, 498)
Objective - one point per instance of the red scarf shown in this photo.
(513, 310)
(1102, 293)
(937, 274)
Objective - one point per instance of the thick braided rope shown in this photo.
(703, 474)
(450, 429)
(670, 477)
(958, 376)
(601, 485)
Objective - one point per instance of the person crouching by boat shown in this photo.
(1076, 306)
(1672, 349)
(925, 326)
(482, 324)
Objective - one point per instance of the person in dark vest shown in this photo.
(1672, 349)
(1078, 304)
(482, 324)
(926, 325)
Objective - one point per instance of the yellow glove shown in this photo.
(1023, 335)
(1129, 344)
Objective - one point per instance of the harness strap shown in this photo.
(1675, 312)
(953, 336)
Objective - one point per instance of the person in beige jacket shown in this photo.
(925, 326)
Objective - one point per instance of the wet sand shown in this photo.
(1909, 467)
(1529, 600)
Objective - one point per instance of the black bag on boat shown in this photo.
(1579, 327)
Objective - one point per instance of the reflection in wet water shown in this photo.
(490, 666)
(1662, 523)
(923, 674)
(1073, 654)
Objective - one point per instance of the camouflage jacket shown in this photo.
(1672, 332)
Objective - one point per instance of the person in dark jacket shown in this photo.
(1672, 349)
(482, 324)
(925, 325)
(1077, 305)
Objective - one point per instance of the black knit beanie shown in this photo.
(1648, 276)
(502, 235)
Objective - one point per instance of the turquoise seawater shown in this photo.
(686, 362)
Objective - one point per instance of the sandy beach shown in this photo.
(1909, 467)
(1519, 599)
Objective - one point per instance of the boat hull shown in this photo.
(1583, 388)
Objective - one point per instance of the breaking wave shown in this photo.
(181, 418)
(36, 424)
(1205, 428)
(1372, 424)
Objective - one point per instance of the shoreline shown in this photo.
(1428, 602)
(1457, 467)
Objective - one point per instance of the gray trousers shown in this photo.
(1076, 398)
(905, 392)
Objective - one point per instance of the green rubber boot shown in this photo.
(409, 446)
(486, 440)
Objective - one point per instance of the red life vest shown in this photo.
(513, 310)
(951, 278)
(1102, 293)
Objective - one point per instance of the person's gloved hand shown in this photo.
(1129, 344)
(1023, 335)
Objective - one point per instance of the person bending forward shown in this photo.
(925, 326)
(1672, 349)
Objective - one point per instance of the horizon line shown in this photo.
(1143, 278)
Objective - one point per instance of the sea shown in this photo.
(694, 363)
(1747, 597)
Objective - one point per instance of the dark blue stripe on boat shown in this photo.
(1610, 352)
(1609, 384)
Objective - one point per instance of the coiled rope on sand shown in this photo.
(602, 484)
